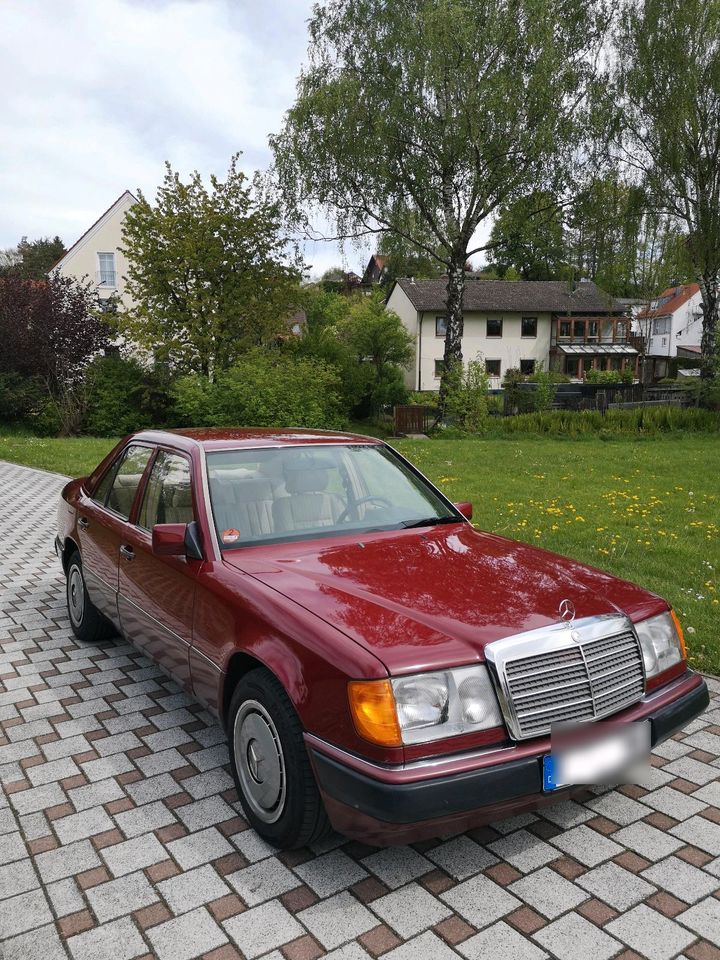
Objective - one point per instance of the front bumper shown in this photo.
(398, 804)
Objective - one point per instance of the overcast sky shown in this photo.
(97, 95)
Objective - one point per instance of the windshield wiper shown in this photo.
(430, 521)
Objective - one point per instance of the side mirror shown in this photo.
(465, 509)
(168, 539)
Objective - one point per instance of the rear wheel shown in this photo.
(87, 623)
(269, 761)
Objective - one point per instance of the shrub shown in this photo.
(263, 389)
(546, 390)
(122, 396)
(467, 395)
(19, 395)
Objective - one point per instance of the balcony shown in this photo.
(590, 330)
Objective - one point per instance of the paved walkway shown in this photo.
(121, 836)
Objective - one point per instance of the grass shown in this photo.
(648, 512)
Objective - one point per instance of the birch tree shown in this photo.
(667, 85)
(445, 109)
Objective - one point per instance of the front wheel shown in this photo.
(87, 623)
(269, 761)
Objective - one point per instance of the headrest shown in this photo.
(306, 481)
(249, 490)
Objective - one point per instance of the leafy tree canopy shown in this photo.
(666, 88)
(446, 108)
(210, 271)
(31, 259)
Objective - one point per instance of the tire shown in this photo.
(87, 623)
(270, 765)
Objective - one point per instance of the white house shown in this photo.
(672, 322)
(525, 324)
(96, 255)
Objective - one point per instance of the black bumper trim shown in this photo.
(460, 793)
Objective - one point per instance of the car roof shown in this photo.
(229, 438)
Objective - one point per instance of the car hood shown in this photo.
(424, 598)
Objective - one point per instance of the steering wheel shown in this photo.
(345, 515)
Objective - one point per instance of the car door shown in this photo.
(101, 524)
(156, 594)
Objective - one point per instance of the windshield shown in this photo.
(269, 495)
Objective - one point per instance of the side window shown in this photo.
(127, 480)
(101, 491)
(168, 495)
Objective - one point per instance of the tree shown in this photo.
(379, 343)
(528, 235)
(443, 108)
(49, 328)
(31, 259)
(209, 272)
(667, 84)
(615, 237)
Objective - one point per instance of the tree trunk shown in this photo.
(709, 288)
(452, 356)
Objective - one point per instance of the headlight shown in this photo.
(427, 706)
(661, 641)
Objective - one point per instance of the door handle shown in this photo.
(84, 523)
(127, 552)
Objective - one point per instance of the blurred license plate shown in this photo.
(602, 758)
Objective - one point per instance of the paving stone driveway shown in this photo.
(121, 837)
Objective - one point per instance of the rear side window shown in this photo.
(127, 480)
(168, 495)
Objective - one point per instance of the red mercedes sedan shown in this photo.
(379, 665)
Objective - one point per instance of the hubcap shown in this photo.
(76, 596)
(260, 761)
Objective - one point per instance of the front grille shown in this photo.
(586, 681)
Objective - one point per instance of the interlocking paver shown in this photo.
(263, 928)
(572, 937)
(548, 892)
(193, 889)
(263, 881)
(338, 919)
(186, 937)
(118, 897)
(118, 940)
(650, 933)
(480, 901)
(109, 714)
(616, 886)
(500, 942)
(410, 910)
(681, 879)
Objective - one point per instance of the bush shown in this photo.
(19, 396)
(263, 390)
(640, 422)
(467, 395)
(122, 396)
(609, 376)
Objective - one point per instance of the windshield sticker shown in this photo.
(231, 535)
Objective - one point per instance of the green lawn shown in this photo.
(648, 511)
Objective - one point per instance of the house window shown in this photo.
(565, 329)
(494, 327)
(527, 367)
(439, 368)
(106, 269)
(529, 327)
(592, 330)
(579, 329)
(440, 326)
(492, 368)
(661, 325)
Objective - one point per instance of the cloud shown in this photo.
(98, 95)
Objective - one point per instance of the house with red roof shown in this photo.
(671, 327)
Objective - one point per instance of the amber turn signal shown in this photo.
(372, 706)
(681, 635)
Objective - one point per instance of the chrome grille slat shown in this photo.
(592, 678)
